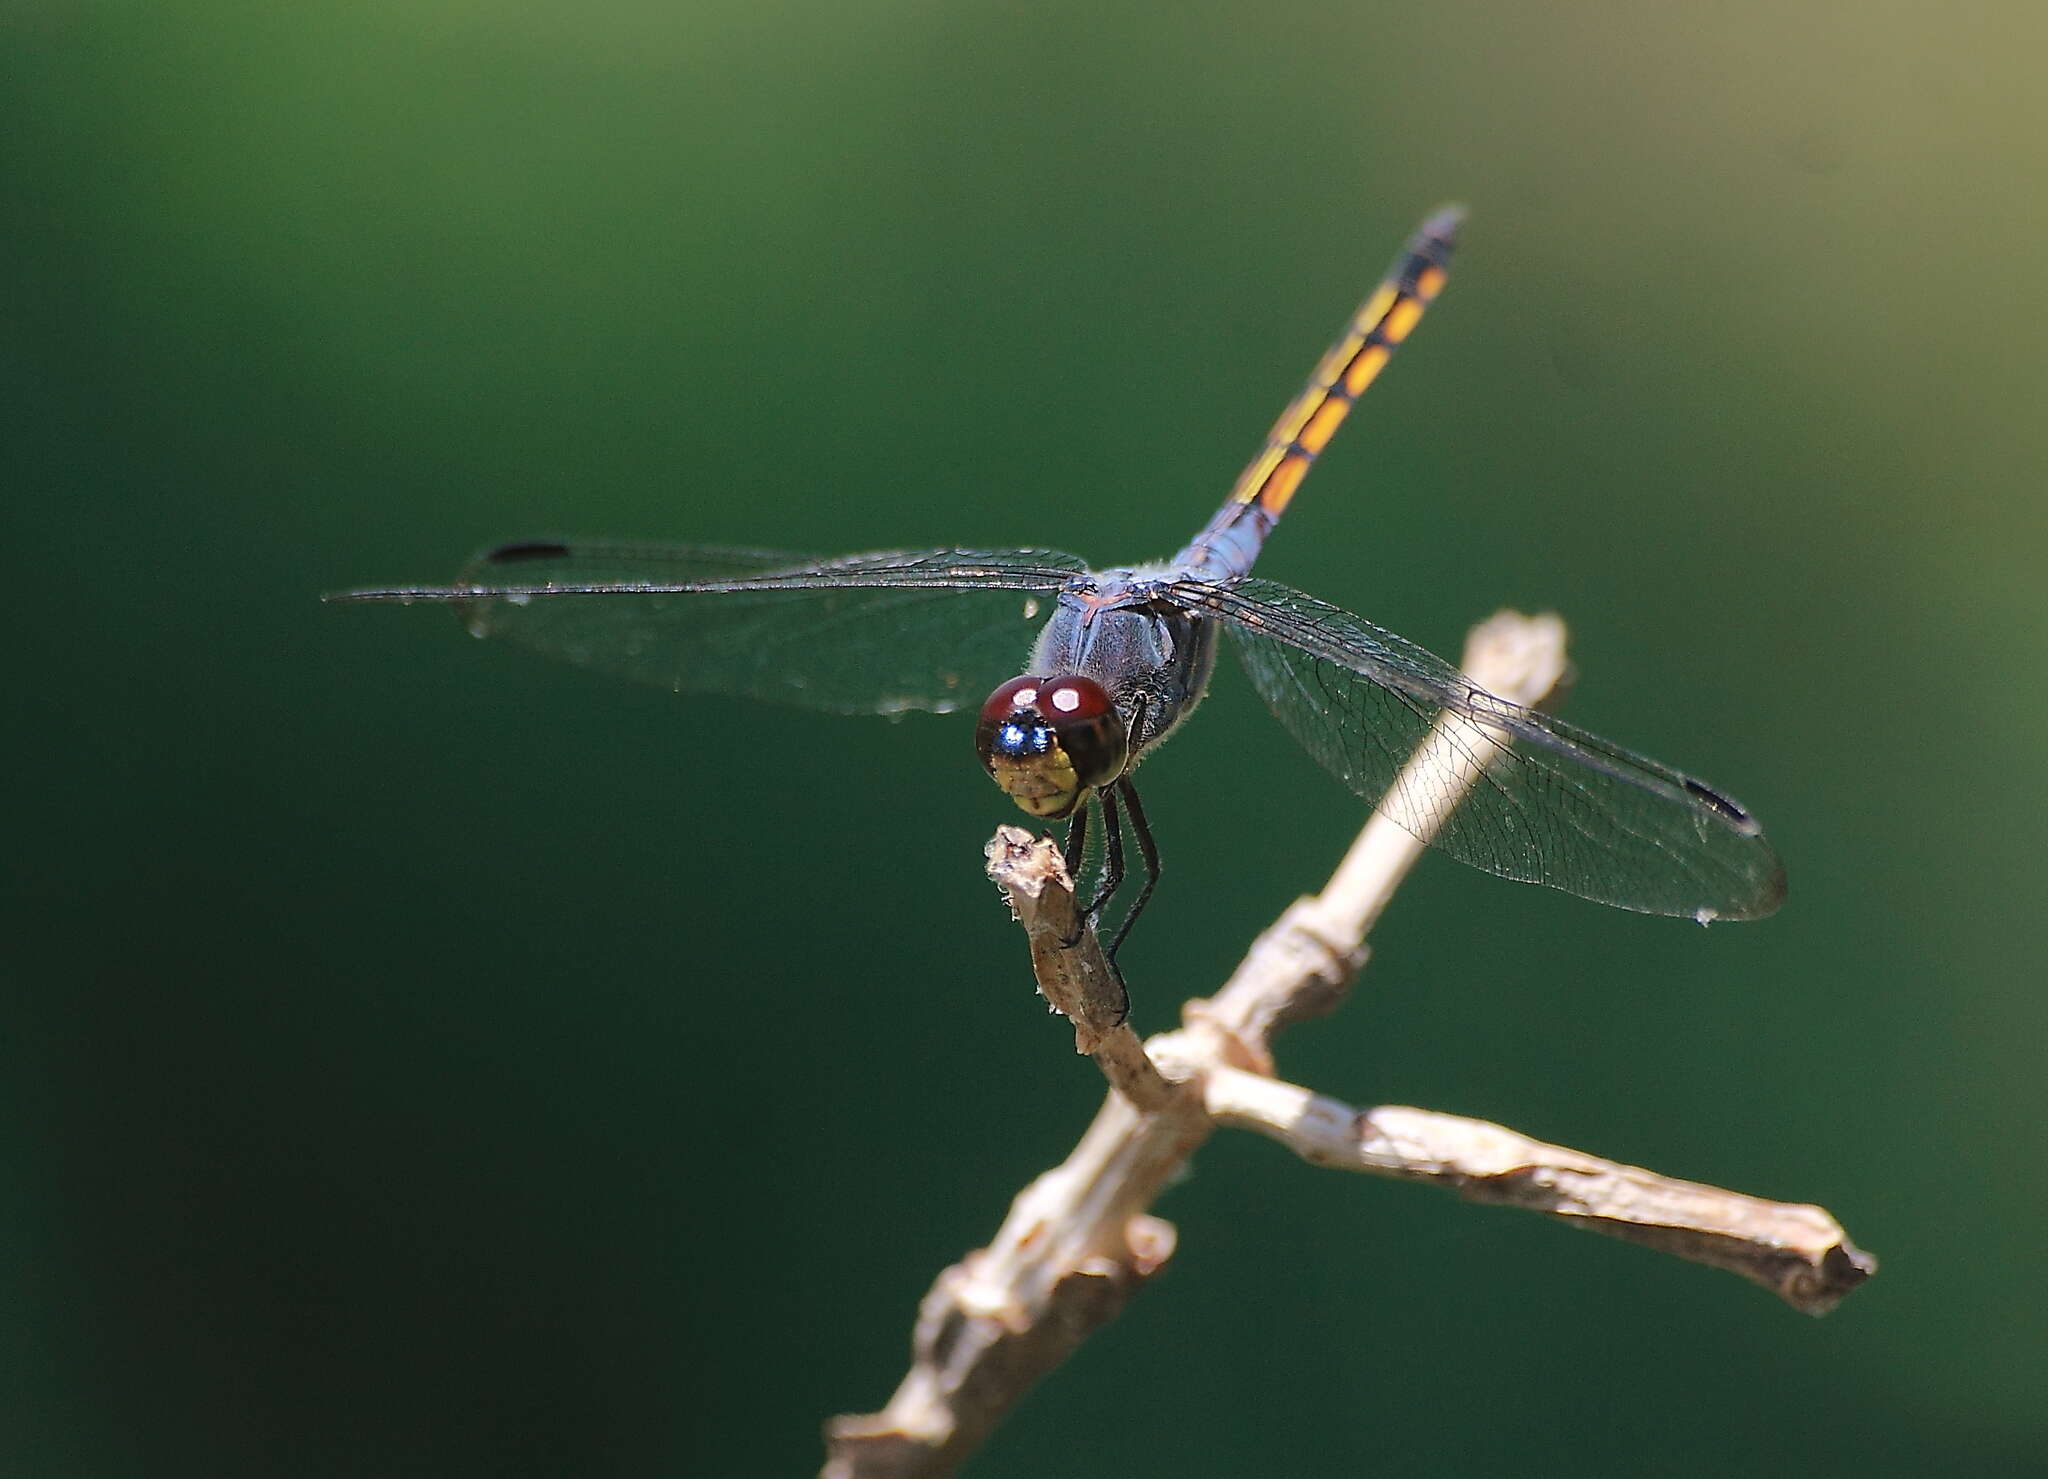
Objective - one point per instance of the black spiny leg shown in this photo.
(1147, 849)
(1076, 850)
(1075, 855)
(1113, 856)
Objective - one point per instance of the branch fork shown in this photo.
(1080, 1240)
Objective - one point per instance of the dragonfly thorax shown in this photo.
(1051, 742)
(1124, 630)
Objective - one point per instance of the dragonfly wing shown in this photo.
(1553, 805)
(860, 634)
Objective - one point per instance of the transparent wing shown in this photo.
(859, 634)
(1555, 805)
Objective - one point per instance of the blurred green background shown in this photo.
(425, 1060)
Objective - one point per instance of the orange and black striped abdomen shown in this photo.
(1376, 330)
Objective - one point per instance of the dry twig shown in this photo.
(1080, 1239)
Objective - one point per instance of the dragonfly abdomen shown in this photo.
(1232, 539)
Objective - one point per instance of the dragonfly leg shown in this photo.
(1075, 854)
(1147, 849)
(1076, 850)
(1113, 855)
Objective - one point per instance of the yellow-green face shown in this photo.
(1043, 785)
(1050, 742)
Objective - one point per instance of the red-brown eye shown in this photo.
(1090, 729)
(1018, 693)
(1049, 742)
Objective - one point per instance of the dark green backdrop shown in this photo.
(424, 1060)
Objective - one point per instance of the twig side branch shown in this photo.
(1797, 1251)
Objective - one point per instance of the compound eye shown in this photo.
(1019, 695)
(1049, 742)
(1089, 728)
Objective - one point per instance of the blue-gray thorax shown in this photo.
(1153, 657)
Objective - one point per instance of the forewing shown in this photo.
(868, 634)
(1554, 804)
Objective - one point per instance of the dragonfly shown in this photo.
(1122, 656)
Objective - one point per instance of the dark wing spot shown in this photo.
(1715, 801)
(512, 554)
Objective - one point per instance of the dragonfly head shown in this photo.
(1050, 742)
